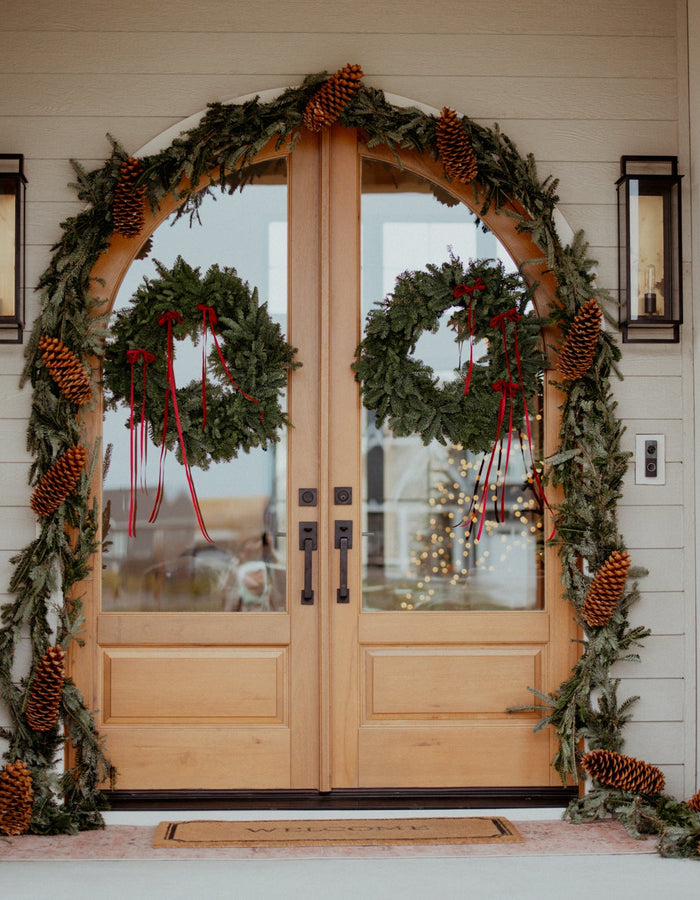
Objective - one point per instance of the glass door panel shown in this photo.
(168, 566)
(418, 554)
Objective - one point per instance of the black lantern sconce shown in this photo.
(12, 247)
(649, 249)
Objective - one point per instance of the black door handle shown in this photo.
(343, 542)
(308, 542)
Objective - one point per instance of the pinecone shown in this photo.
(623, 772)
(579, 347)
(16, 798)
(47, 688)
(455, 148)
(606, 589)
(332, 97)
(66, 369)
(128, 206)
(59, 481)
(694, 802)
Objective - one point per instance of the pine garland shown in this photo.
(589, 466)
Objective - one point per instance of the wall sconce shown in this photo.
(12, 247)
(649, 249)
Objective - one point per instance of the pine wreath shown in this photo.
(253, 348)
(406, 393)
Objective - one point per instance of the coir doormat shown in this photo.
(348, 832)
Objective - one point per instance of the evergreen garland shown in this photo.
(590, 464)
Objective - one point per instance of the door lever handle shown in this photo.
(343, 542)
(308, 542)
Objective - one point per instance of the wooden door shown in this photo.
(419, 694)
(333, 695)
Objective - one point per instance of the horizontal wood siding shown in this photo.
(576, 84)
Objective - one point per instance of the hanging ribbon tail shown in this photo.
(204, 359)
(161, 463)
(507, 389)
(470, 322)
(458, 292)
(137, 441)
(539, 488)
(210, 313)
(133, 475)
(470, 518)
(171, 394)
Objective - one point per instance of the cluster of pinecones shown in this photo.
(332, 97)
(66, 369)
(606, 589)
(128, 205)
(580, 345)
(623, 772)
(47, 689)
(59, 481)
(16, 798)
(455, 148)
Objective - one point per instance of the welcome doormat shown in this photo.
(334, 832)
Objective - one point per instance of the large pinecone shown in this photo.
(623, 772)
(694, 802)
(455, 148)
(16, 798)
(47, 688)
(59, 481)
(606, 589)
(579, 347)
(66, 369)
(332, 97)
(128, 206)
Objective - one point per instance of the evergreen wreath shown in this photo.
(405, 392)
(589, 465)
(254, 352)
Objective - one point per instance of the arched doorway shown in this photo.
(329, 695)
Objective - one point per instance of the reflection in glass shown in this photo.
(417, 553)
(168, 566)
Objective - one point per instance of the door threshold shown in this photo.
(345, 799)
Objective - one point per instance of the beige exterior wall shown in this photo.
(577, 84)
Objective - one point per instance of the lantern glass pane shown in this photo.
(8, 227)
(648, 287)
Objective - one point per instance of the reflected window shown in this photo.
(168, 566)
(418, 555)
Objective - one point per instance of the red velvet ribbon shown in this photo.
(508, 390)
(209, 313)
(137, 433)
(168, 319)
(499, 321)
(458, 292)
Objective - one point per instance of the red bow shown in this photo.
(463, 289)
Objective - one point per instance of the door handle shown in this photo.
(343, 542)
(308, 542)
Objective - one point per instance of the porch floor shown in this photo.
(555, 860)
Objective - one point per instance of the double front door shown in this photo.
(342, 631)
